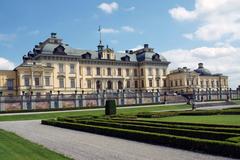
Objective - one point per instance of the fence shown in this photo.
(55, 101)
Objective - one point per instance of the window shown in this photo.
(36, 81)
(98, 85)
(142, 83)
(150, 82)
(157, 72)
(171, 83)
(120, 85)
(164, 72)
(72, 68)
(176, 83)
(201, 84)
(164, 83)
(89, 84)
(180, 82)
(207, 84)
(98, 71)
(142, 72)
(109, 72)
(119, 72)
(135, 72)
(212, 83)
(26, 81)
(136, 84)
(88, 71)
(109, 84)
(217, 83)
(47, 81)
(127, 72)
(10, 84)
(150, 71)
(72, 82)
(108, 56)
(157, 82)
(61, 82)
(128, 84)
(60, 67)
(49, 65)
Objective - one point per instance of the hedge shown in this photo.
(195, 144)
(194, 127)
(174, 131)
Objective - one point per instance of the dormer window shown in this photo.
(59, 50)
(155, 57)
(87, 55)
(125, 58)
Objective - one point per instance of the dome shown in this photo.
(202, 71)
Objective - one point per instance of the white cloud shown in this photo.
(7, 37)
(128, 29)
(130, 9)
(109, 30)
(223, 59)
(182, 14)
(109, 7)
(218, 19)
(6, 64)
(188, 35)
(137, 47)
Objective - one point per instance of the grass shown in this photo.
(125, 111)
(15, 147)
(209, 119)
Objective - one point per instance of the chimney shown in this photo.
(53, 35)
(200, 65)
(145, 45)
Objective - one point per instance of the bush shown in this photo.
(234, 139)
(196, 144)
(110, 107)
(165, 130)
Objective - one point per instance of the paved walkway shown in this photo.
(87, 146)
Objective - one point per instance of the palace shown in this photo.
(55, 67)
(185, 80)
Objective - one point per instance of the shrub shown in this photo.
(110, 107)
(196, 144)
(234, 139)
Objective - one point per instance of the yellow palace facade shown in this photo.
(55, 67)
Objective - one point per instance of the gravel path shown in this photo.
(87, 146)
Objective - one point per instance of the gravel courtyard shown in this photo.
(87, 146)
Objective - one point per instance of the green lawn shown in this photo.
(125, 111)
(210, 119)
(13, 147)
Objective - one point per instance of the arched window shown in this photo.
(109, 84)
(120, 85)
(98, 85)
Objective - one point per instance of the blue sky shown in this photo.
(185, 31)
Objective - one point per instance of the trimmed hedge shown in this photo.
(110, 107)
(188, 113)
(192, 127)
(196, 144)
(164, 130)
